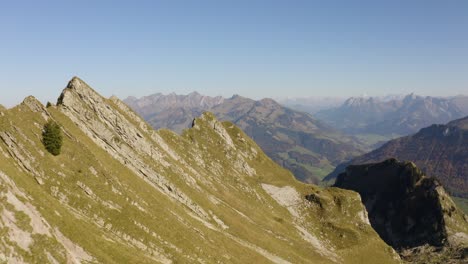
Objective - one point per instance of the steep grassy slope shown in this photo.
(121, 192)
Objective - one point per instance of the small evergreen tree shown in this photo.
(52, 138)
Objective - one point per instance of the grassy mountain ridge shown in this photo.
(121, 192)
(295, 140)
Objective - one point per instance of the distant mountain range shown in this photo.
(440, 151)
(396, 116)
(309, 148)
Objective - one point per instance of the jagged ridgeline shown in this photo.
(295, 140)
(120, 192)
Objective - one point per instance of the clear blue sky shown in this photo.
(254, 48)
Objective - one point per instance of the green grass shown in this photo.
(462, 203)
(371, 139)
(319, 172)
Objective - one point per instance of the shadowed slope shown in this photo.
(407, 208)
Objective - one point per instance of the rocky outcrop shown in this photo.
(34, 105)
(405, 207)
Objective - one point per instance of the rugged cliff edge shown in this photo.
(410, 211)
(121, 192)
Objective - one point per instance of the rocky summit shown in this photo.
(121, 192)
(410, 211)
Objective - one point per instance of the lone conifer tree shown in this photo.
(52, 138)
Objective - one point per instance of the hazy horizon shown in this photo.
(253, 48)
(278, 99)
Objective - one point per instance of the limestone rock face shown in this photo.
(109, 128)
(34, 104)
(121, 192)
(405, 207)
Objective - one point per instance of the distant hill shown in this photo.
(440, 151)
(397, 116)
(297, 141)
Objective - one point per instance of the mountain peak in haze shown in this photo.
(410, 97)
(194, 93)
(397, 116)
(269, 102)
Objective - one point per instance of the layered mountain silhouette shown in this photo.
(438, 150)
(394, 116)
(295, 140)
(121, 192)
